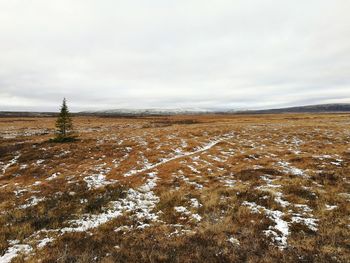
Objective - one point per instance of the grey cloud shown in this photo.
(140, 54)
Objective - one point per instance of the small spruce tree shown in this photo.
(64, 124)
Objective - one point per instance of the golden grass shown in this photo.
(258, 163)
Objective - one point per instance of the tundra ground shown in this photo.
(267, 188)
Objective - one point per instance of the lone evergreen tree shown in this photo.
(64, 124)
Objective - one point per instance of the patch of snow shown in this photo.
(336, 163)
(99, 179)
(196, 217)
(33, 201)
(117, 162)
(13, 251)
(64, 153)
(304, 208)
(229, 182)
(40, 161)
(233, 241)
(193, 169)
(195, 203)
(281, 226)
(91, 221)
(187, 180)
(53, 176)
(279, 200)
(280, 237)
(150, 183)
(182, 209)
(183, 143)
(290, 169)
(139, 203)
(331, 207)
(311, 223)
(10, 163)
(96, 181)
(20, 192)
(42, 243)
(123, 229)
(218, 159)
(23, 166)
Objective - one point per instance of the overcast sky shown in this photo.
(107, 54)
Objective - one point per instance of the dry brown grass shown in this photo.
(266, 160)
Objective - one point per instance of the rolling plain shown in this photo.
(207, 188)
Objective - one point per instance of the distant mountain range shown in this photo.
(322, 108)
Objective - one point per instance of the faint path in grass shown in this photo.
(204, 148)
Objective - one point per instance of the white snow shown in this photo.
(98, 179)
(42, 243)
(117, 162)
(91, 221)
(185, 211)
(229, 182)
(19, 192)
(53, 176)
(280, 237)
(123, 229)
(336, 163)
(193, 169)
(32, 202)
(218, 159)
(331, 207)
(233, 241)
(166, 160)
(188, 181)
(10, 163)
(195, 203)
(311, 223)
(13, 251)
(63, 153)
(304, 208)
(196, 217)
(279, 200)
(281, 226)
(40, 161)
(290, 169)
(23, 166)
(182, 209)
(269, 183)
(139, 203)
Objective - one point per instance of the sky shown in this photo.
(194, 54)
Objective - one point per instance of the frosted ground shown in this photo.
(221, 188)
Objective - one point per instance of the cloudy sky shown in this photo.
(107, 54)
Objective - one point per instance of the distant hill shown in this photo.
(148, 112)
(27, 114)
(322, 108)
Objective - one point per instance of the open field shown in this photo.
(268, 188)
